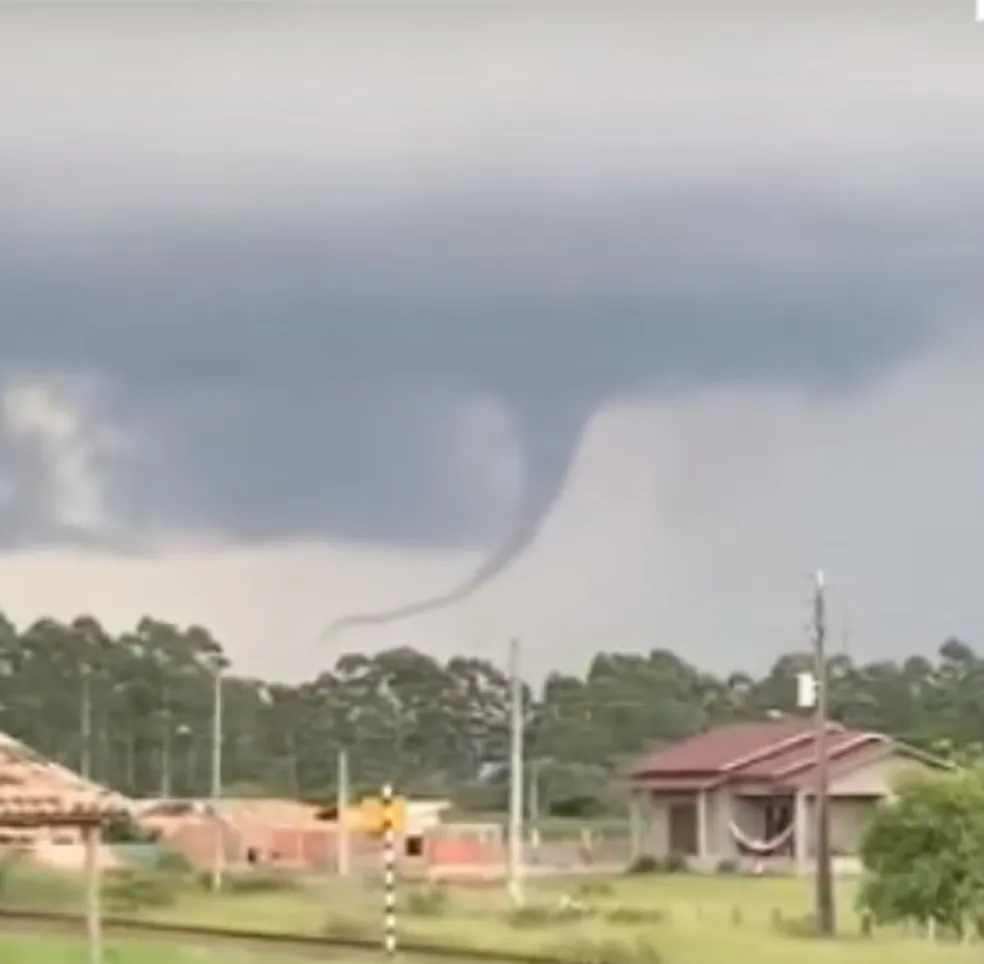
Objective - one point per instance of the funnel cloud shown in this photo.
(251, 303)
(548, 441)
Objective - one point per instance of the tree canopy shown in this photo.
(923, 852)
(429, 726)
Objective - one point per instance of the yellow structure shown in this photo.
(367, 816)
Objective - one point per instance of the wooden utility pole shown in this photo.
(825, 911)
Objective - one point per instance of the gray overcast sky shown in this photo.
(302, 309)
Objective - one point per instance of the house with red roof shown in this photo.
(748, 791)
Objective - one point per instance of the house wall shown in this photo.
(876, 778)
(650, 819)
(854, 797)
(854, 793)
(719, 813)
(651, 823)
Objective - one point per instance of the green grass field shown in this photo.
(689, 919)
(64, 950)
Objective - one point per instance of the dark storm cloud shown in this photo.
(552, 212)
(303, 378)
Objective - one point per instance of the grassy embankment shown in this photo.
(65, 950)
(674, 918)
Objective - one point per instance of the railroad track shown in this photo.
(29, 921)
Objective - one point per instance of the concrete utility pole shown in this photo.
(165, 746)
(341, 823)
(514, 866)
(218, 844)
(826, 921)
(85, 727)
(534, 792)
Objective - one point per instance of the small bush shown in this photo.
(132, 890)
(347, 928)
(675, 864)
(28, 885)
(804, 926)
(123, 829)
(427, 902)
(567, 911)
(608, 952)
(173, 862)
(531, 915)
(570, 909)
(728, 866)
(258, 882)
(671, 864)
(636, 916)
(595, 888)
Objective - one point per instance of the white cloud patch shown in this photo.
(50, 424)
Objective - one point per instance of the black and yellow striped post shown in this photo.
(389, 872)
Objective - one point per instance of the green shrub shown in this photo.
(345, 928)
(636, 916)
(569, 910)
(131, 890)
(258, 882)
(608, 952)
(728, 866)
(922, 853)
(675, 864)
(543, 915)
(123, 829)
(426, 902)
(595, 888)
(29, 886)
(647, 864)
(803, 926)
(173, 862)
(531, 915)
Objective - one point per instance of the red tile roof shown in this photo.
(36, 791)
(764, 752)
(715, 752)
(802, 755)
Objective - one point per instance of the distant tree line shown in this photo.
(134, 711)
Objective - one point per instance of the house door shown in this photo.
(683, 829)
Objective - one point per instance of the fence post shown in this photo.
(389, 873)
